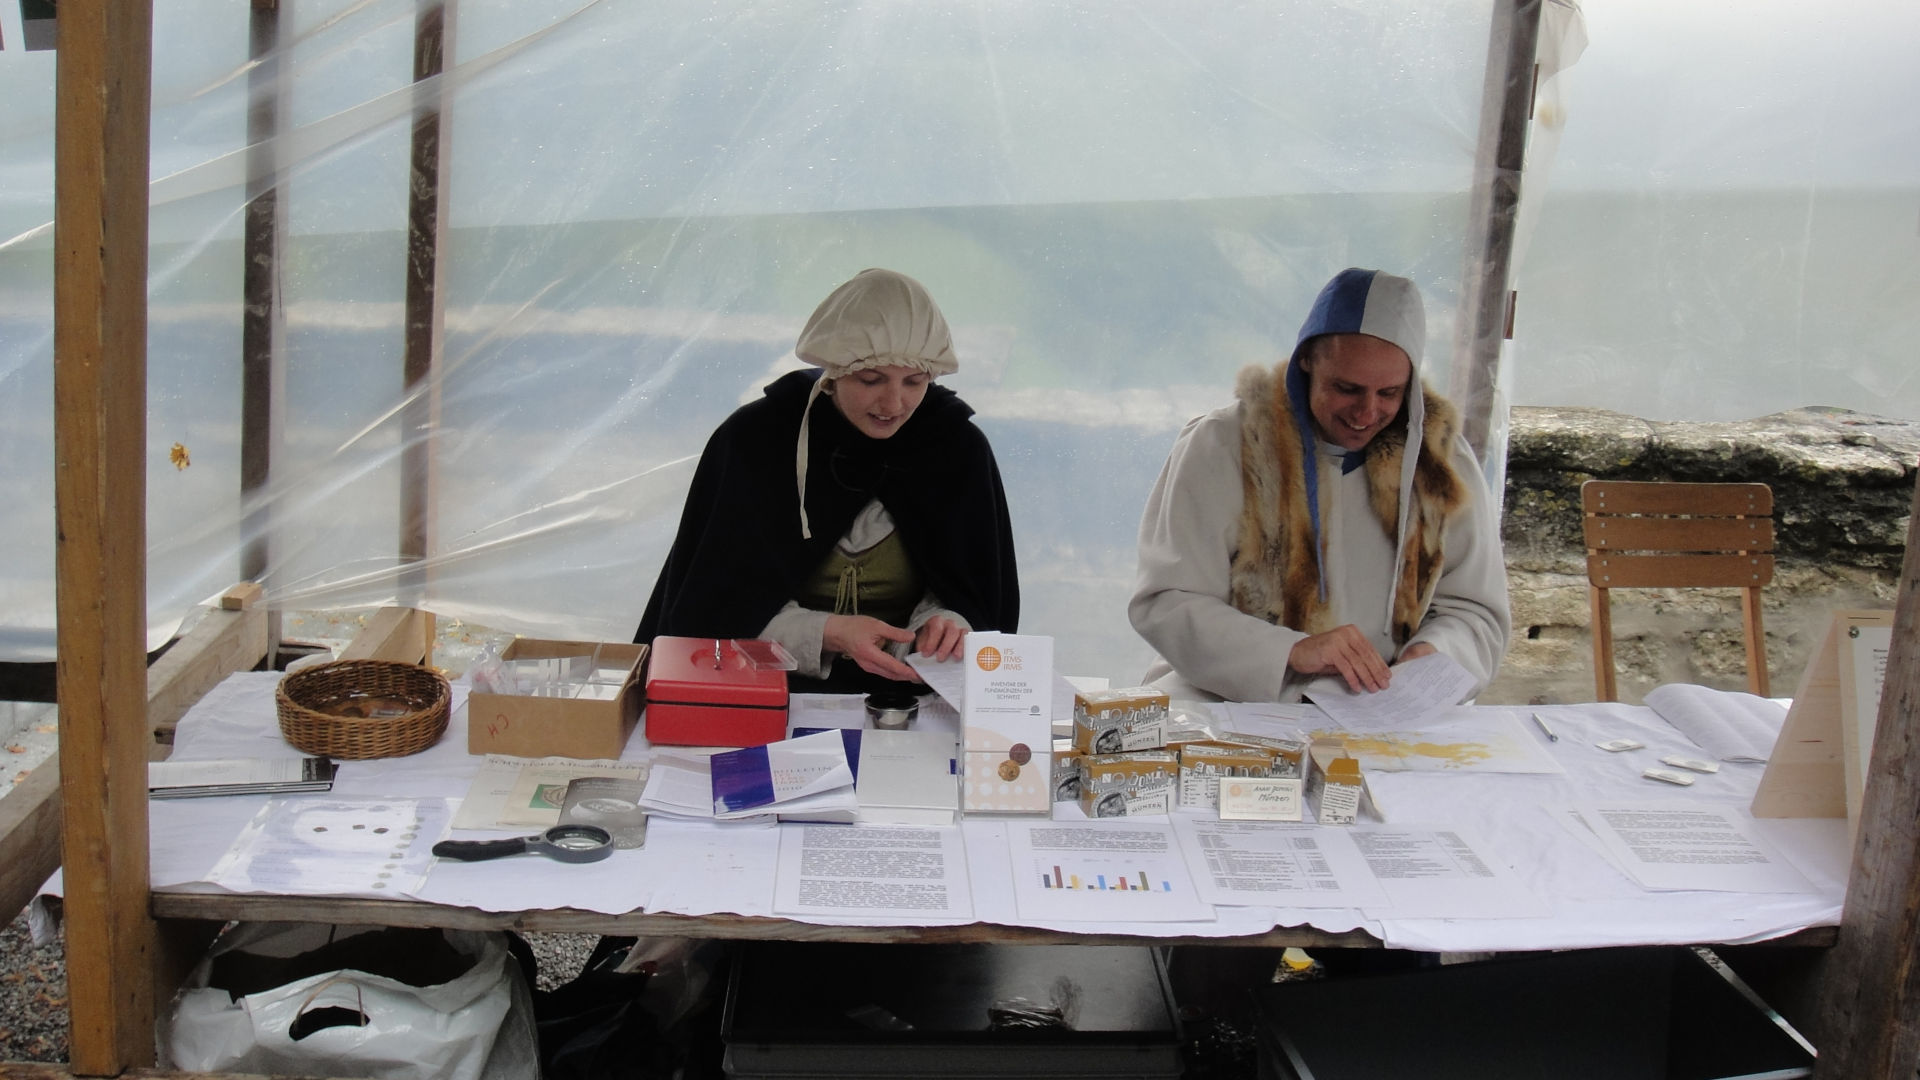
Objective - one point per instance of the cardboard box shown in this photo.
(1203, 765)
(1128, 785)
(1006, 719)
(1290, 758)
(1066, 771)
(1115, 721)
(711, 692)
(527, 725)
(1337, 789)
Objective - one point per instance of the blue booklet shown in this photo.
(764, 778)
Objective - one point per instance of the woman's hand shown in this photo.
(864, 639)
(940, 638)
(1344, 651)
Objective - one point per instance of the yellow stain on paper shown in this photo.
(1451, 754)
(178, 455)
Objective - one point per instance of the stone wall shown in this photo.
(1843, 493)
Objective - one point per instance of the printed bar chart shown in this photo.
(1133, 881)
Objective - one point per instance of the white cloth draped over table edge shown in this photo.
(696, 868)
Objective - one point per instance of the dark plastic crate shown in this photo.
(810, 1010)
(1611, 1014)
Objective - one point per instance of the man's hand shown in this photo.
(863, 639)
(1415, 651)
(1345, 651)
(940, 638)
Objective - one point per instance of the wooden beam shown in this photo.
(394, 633)
(1869, 1015)
(29, 836)
(262, 314)
(221, 643)
(102, 99)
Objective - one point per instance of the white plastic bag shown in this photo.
(477, 1025)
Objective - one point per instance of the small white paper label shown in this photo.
(1669, 776)
(1260, 798)
(1617, 745)
(1695, 764)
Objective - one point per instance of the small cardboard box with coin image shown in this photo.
(1128, 785)
(1203, 765)
(1114, 721)
(1006, 718)
(1066, 770)
(1289, 754)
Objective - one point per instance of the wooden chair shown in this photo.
(1673, 535)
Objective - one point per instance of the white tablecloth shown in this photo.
(697, 868)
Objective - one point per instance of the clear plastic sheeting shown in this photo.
(1118, 205)
(1733, 225)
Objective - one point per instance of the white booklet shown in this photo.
(1730, 725)
(238, 776)
(908, 778)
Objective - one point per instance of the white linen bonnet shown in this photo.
(879, 318)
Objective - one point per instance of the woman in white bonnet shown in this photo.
(851, 513)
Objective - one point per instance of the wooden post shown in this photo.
(102, 99)
(425, 303)
(262, 313)
(1868, 1022)
(1506, 105)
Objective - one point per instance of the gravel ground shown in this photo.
(33, 987)
(33, 997)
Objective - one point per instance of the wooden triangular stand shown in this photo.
(1818, 766)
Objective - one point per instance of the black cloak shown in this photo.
(738, 556)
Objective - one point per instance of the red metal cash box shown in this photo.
(707, 692)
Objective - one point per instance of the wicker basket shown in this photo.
(357, 709)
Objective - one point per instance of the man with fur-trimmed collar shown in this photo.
(1331, 521)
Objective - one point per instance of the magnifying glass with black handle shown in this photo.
(562, 843)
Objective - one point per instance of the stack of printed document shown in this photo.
(808, 774)
(238, 776)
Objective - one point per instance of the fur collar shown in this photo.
(1274, 573)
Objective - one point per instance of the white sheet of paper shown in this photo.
(1272, 720)
(1101, 870)
(842, 870)
(1277, 865)
(825, 711)
(808, 765)
(1674, 846)
(336, 847)
(1440, 872)
(947, 677)
(681, 786)
(699, 867)
(1869, 680)
(1419, 689)
(486, 797)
